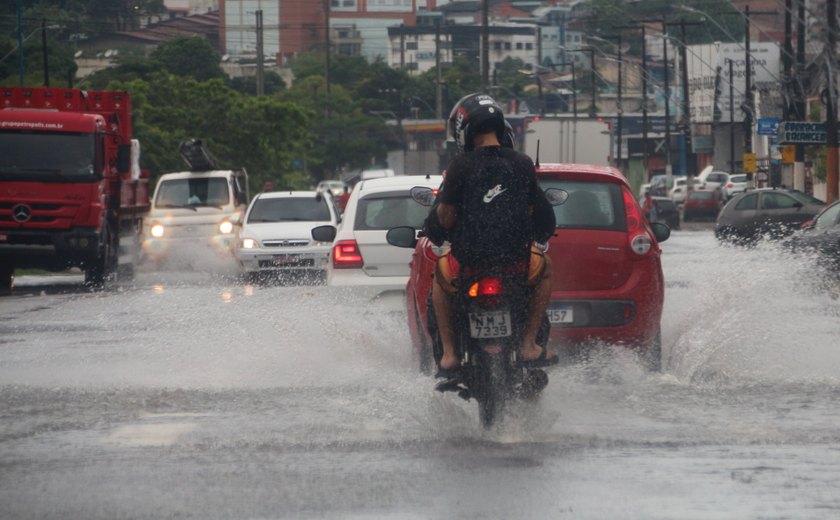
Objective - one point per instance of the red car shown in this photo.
(703, 203)
(608, 284)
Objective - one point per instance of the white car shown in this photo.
(716, 179)
(333, 186)
(275, 235)
(678, 191)
(361, 258)
(737, 184)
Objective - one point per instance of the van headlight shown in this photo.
(249, 243)
(157, 230)
(226, 227)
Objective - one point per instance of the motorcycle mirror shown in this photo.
(556, 196)
(423, 195)
(402, 236)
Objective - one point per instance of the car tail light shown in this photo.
(346, 255)
(730, 185)
(640, 241)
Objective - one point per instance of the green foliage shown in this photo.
(272, 83)
(348, 136)
(189, 56)
(60, 60)
(267, 136)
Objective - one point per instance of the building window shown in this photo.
(497, 46)
(411, 46)
(507, 46)
(529, 46)
(519, 46)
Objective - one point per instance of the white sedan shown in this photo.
(361, 258)
(275, 234)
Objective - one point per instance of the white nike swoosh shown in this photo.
(490, 197)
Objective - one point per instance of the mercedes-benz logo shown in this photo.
(21, 213)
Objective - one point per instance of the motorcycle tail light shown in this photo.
(486, 287)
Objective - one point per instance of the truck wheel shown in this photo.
(7, 275)
(103, 266)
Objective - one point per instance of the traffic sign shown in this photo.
(788, 154)
(749, 162)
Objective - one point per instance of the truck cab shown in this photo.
(195, 212)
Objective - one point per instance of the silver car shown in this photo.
(275, 235)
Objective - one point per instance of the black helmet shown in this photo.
(509, 139)
(475, 113)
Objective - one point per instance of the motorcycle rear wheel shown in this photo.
(492, 394)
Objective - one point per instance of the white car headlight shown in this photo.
(226, 227)
(157, 230)
(249, 243)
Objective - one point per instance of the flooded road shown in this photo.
(193, 396)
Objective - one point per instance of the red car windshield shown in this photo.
(590, 205)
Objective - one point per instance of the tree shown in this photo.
(189, 56)
(267, 136)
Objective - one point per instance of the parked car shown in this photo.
(737, 184)
(715, 179)
(275, 235)
(822, 236)
(608, 283)
(335, 187)
(768, 212)
(703, 203)
(680, 189)
(360, 257)
(667, 212)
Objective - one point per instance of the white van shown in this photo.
(195, 212)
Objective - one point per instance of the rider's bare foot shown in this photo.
(533, 351)
(449, 362)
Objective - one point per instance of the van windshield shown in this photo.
(193, 193)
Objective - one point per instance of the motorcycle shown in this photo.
(489, 312)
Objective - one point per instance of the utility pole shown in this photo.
(831, 152)
(327, 45)
(402, 46)
(20, 40)
(46, 53)
(438, 78)
(799, 106)
(669, 174)
(731, 115)
(260, 58)
(687, 168)
(619, 103)
(644, 105)
(749, 106)
(787, 79)
(485, 44)
(749, 98)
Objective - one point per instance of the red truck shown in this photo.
(72, 193)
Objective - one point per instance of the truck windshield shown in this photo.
(45, 157)
(193, 193)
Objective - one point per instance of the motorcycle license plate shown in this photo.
(561, 314)
(492, 324)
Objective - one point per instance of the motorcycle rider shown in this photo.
(491, 208)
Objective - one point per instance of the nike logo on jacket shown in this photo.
(492, 193)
